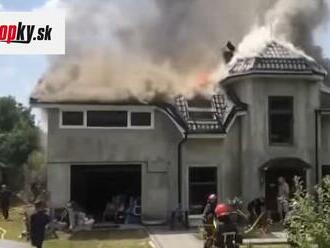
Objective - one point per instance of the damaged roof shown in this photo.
(213, 115)
(276, 58)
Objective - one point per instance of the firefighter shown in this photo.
(255, 208)
(5, 195)
(208, 212)
(226, 230)
(208, 216)
(38, 222)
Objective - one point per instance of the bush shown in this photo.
(308, 222)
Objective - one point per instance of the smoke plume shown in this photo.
(289, 21)
(121, 49)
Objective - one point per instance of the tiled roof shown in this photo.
(205, 120)
(276, 58)
(208, 119)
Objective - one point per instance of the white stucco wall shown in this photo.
(58, 179)
(222, 153)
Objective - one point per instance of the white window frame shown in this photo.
(104, 108)
(152, 119)
(281, 144)
(90, 127)
(71, 126)
(211, 109)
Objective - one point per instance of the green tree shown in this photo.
(36, 160)
(18, 133)
(308, 223)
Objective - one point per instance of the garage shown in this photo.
(95, 188)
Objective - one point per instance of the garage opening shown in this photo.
(108, 192)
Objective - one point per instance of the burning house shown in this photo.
(264, 114)
(237, 143)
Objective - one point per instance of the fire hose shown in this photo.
(255, 223)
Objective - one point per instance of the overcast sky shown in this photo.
(18, 74)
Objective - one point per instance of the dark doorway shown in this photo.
(325, 170)
(287, 168)
(202, 183)
(92, 186)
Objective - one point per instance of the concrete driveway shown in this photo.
(164, 238)
(13, 244)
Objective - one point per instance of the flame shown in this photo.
(202, 79)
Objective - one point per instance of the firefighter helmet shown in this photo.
(212, 198)
(222, 209)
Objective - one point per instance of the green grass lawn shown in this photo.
(92, 239)
(101, 239)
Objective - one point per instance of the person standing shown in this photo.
(5, 195)
(38, 223)
(208, 215)
(208, 212)
(283, 198)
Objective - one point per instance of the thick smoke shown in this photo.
(296, 21)
(126, 48)
(292, 22)
(121, 49)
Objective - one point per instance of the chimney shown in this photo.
(228, 52)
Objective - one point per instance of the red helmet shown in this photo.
(221, 210)
(212, 198)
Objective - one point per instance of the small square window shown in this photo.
(141, 119)
(72, 118)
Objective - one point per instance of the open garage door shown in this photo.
(94, 186)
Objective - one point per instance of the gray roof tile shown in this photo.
(210, 119)
(276, 58)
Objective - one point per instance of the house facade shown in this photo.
(269, 119)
